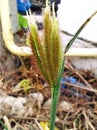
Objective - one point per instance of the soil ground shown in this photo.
(77, 106)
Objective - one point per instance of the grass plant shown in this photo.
(50, 55)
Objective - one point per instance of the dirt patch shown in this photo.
(77, 107)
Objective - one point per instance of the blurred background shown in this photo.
(72, 13)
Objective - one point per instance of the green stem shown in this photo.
(3, 125)
(55, 95)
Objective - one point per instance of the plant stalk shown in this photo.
(55, 95)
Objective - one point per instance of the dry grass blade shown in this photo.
(87, 121)
(38, 125)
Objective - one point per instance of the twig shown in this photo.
(28, 118)
(69, 67)
(7, 122)
(80, 87)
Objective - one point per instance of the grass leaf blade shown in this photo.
(78, 32)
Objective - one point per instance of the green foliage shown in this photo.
(25, 84)
(23, 22)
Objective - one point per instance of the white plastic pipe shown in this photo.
(82, 52)
(7, 21)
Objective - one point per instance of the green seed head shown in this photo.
(48, 52)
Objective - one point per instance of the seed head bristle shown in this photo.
(48, 24)
(48, 54)
(39, 52)
(57, 54)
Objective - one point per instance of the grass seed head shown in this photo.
(48, 52)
